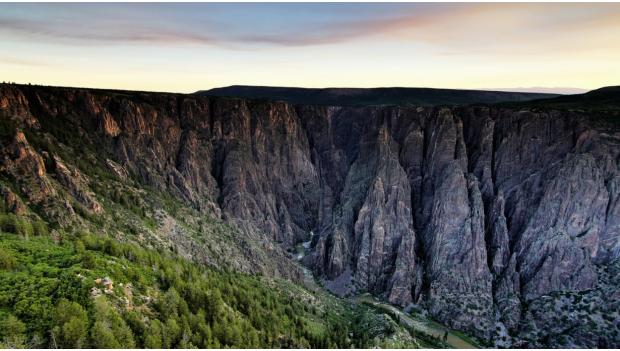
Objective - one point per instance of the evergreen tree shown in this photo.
(88, 260)
(12, 332)
(172, 332)
(153, 339)
(70, 325)
(102, 336)
(40, 228)
(7, 261)
(169, 304)
(109, 325)
(214, 305)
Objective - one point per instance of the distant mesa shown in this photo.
(602, 99)
(544, 90)
(374, 96)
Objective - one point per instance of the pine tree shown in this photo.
(102, 336)
(70, 324)
(153, 339)
(172, 332)
(12, 332)
(7, 261)
(110, 326)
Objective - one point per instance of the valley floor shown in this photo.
(415, 324)
(421, 324)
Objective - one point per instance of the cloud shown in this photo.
(348, 29)
(98, 34)
(93, 26)
(22, 62)
(452, 28)
(472, 29)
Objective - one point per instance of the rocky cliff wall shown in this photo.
(473, 212)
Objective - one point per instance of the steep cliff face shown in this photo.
(476, 213)
(68, 151)
(507, 206)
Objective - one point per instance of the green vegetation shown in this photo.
(424, 340)
(12, 331)
(51, 295)
(16, 224)
(51, 290)
(7, 261)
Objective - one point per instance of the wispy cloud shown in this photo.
(460, 27)
(98, 34)
(89, 27)
(22, 62)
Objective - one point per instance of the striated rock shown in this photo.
(77, 185)
(119, 170)
(384, 222)
(12, 202)
(506, 297)
(499, 252)
(265, 173)
(478, 132)
(108, 125)
(555, 250)
(609, 239)
(23, 163)
(14, 106)
(460, 282)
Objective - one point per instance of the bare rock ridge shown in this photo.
(477, 213)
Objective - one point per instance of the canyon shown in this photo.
(500, 220)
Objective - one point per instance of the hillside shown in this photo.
(605, 99)
(373, 96)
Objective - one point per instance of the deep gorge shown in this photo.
(478, 213)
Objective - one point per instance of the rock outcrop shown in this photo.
(26, 165)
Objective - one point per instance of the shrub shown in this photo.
(12, 332)
(8, 223)
(11, 223)
(111, 248)
(7, 261)
(109, 329)
(71, 324)
(23, 227)
(40, 228)
(79, 247)
(88, 260)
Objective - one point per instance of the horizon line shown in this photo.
(525, 90)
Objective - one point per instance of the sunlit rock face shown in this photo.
(476, 213)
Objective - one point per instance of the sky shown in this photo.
(185, 47)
